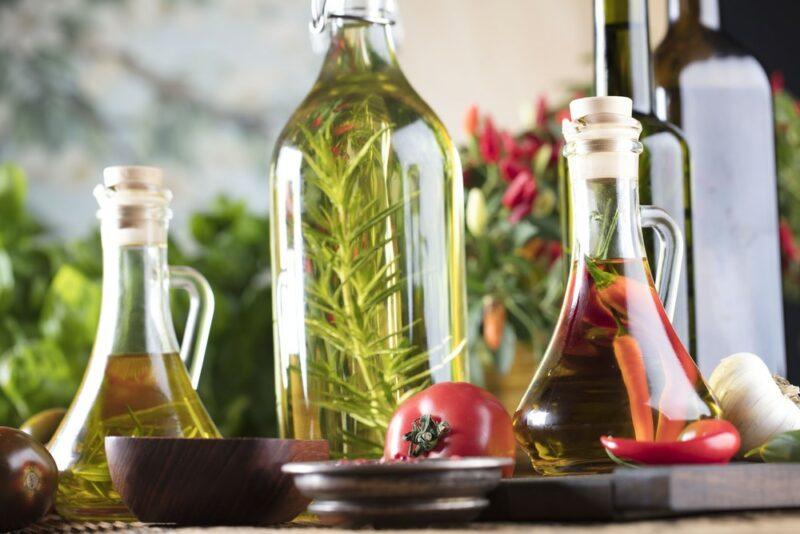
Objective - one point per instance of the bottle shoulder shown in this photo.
(652, 125)
(702, 48)
(362, 105)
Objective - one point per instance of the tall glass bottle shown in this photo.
(622, 68)
(720, 96)
(615, 365)
(367, 244)
(136, 383)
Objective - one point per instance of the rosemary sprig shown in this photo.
(361, 354)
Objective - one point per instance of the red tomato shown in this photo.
(451, 419)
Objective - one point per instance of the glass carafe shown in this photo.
(615, 365)
(367, 241)
(136, 382)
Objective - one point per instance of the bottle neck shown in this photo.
(605, 219)
(695, 12)
(622, 52)
(358, 47)
(135, 315)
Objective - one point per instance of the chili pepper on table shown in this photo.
(708, 441)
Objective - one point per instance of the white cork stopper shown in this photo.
(602, 138)
(591, 105)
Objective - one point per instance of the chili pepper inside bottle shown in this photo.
(136, 383)
(615, 365)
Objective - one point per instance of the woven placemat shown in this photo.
(54, 523)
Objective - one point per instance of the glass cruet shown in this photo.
(136, 382)
(614, 365)
(367, 241)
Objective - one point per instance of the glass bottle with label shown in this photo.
(367, 241)
(615, 365)
(720, 97)
(622, 68)
(136, 382)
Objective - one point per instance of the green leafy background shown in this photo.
(50, 301)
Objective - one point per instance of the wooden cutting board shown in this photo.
(647, 492)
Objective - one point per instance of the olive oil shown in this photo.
(139, 395)
(367, 244)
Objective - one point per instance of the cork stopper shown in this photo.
(133, 175)
(602, 139)
(134, 206)
(592, 105)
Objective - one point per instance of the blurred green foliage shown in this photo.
(50, 301)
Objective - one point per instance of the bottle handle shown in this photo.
(669, 256)
(198, 322)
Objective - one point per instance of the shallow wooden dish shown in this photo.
(398, 494)
(210, 481)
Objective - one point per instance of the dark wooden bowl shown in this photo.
(210, 481)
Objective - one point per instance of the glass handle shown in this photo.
(669, 256)
(198, 323)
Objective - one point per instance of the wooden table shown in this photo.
(739, 523)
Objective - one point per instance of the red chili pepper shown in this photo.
(708, 441)
(631, 365)
(471, 120)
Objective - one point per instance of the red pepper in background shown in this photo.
(489, 142)
(471, 120)
(494, 321)
(510, 168)
(708, 441)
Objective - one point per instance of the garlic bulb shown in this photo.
(751, 399)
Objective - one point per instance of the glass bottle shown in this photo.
(136, 383)
(367, 241)
(622, 68)
(615, 365)
(720, 96)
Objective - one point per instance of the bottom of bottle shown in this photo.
(572, 467)
(95, 514)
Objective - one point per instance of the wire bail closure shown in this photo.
(320, 16)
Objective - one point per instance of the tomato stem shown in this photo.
(424, 435)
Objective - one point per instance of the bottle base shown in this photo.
(571, 467)
(109, 513)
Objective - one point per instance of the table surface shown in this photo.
(738, 523)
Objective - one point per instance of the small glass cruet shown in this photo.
(615, 365)
(136, 382)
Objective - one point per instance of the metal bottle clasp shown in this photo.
(320, 16)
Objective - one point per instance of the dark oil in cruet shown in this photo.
(139, 395)
(615, 366)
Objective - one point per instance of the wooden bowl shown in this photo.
(210, 481)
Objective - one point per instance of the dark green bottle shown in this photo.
(622, 67)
